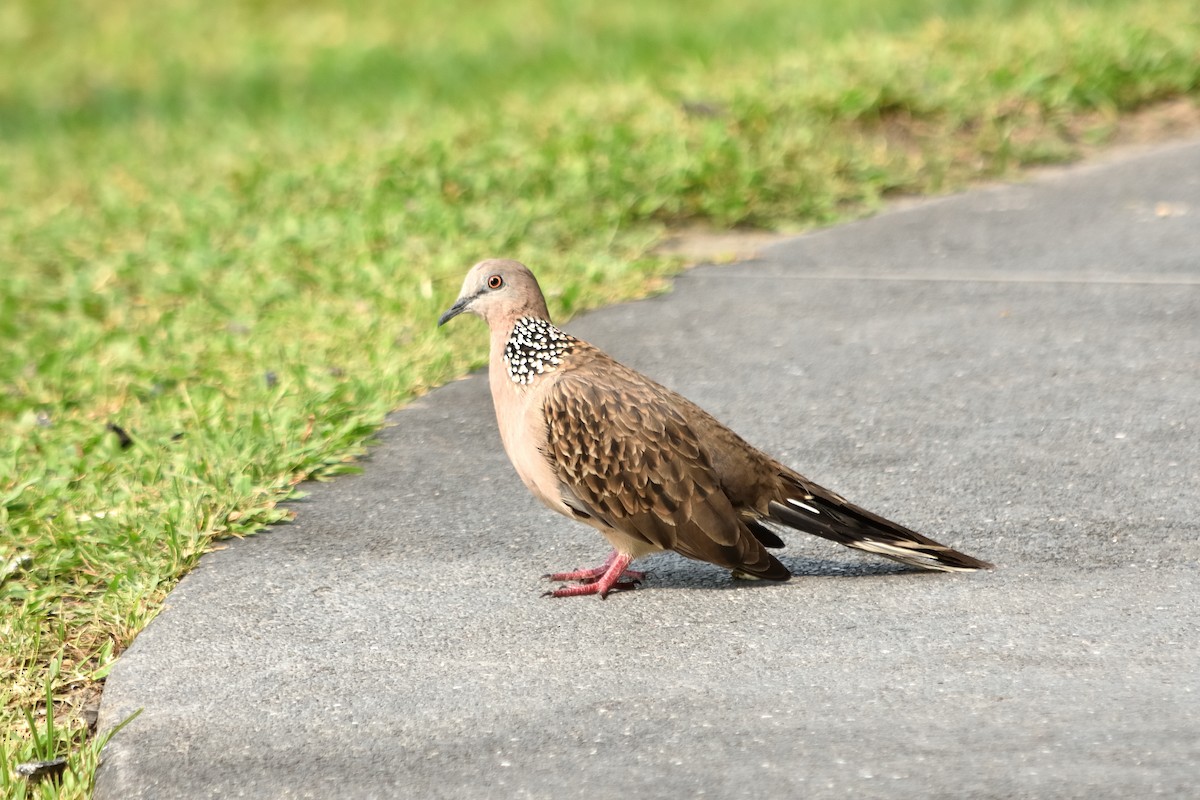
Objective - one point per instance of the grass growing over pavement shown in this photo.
(227, 229)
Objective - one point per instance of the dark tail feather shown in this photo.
(832, 518)
(766, 537)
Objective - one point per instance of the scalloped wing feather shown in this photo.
(621, 447)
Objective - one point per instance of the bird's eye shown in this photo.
(495, 282)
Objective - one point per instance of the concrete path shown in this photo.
(1015, 371)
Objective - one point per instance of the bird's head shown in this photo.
(500, 291)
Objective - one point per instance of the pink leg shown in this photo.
(601, 580)
(595, 573)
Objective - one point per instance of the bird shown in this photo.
(603, 444)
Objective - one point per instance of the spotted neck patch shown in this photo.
(535, 347)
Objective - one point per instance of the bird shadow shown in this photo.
(676, 572)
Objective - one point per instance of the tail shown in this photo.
(809, 508)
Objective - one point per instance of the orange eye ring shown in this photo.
(495, 282)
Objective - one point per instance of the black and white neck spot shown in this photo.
(535, 347)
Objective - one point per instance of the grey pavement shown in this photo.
(1015, 371)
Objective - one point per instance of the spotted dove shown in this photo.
(598, 442)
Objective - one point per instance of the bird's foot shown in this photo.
(629, 576)
(594, 574)
(591, 588)
(608, 577)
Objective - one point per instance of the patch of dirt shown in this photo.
(1170, 120)
(1155, 124)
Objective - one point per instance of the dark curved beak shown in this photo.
(453, 311)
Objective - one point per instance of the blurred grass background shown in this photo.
(227, 229)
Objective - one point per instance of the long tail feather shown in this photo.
(830, 517)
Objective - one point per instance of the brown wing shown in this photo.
(624, 452)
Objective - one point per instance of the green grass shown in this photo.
(228, 228)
